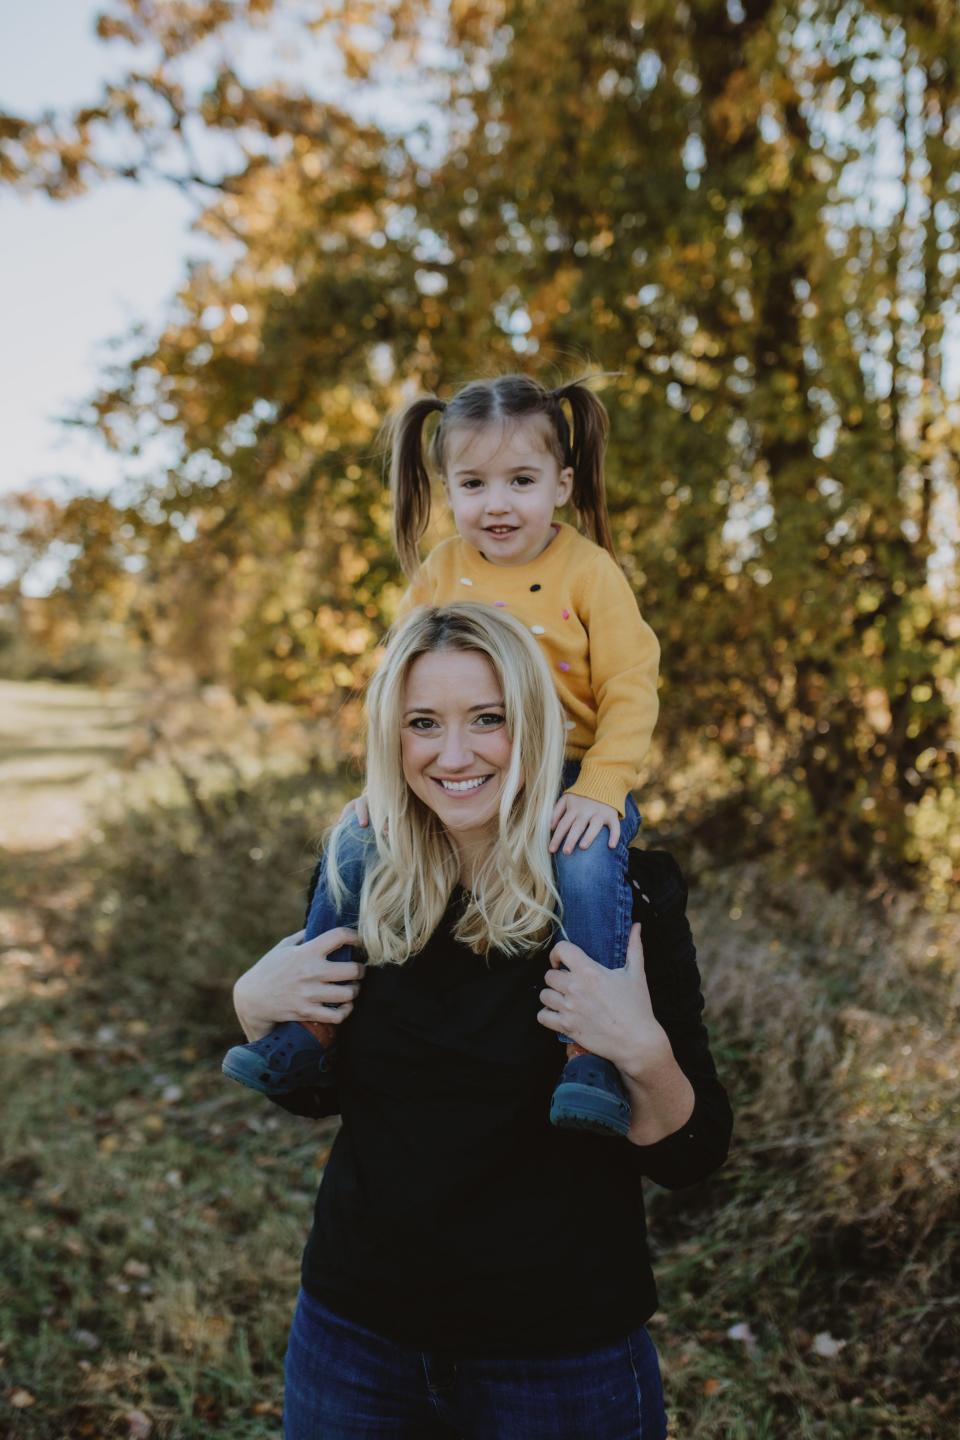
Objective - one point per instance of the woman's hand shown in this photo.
(358, 807)
(578, 818)
(609, 1013)
(606, 1011)
(297, 980)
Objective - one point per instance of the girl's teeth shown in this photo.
(462, 784)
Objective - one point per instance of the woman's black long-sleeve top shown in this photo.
(451, 1214)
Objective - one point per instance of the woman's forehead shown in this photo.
(450, 675)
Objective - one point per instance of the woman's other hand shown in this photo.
(608, 1012)
(356, 807)
(297, 980)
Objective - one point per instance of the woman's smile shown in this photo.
(461, 787)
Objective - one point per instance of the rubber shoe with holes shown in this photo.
(288, 1058)
(590, 1096)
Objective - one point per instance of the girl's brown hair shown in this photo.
(508, 397)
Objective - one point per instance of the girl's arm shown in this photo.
(624, 665)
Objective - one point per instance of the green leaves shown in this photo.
(750, 223)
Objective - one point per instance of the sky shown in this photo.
(76, 273)
(73, 273)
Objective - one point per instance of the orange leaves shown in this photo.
(736, 109)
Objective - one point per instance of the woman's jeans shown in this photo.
(594, 889)
(344, 1382)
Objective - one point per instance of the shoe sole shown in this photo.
(579, 1107)
(245, 1074)
(237, 1064)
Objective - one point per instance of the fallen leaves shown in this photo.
(744, 1335)
(826, 1346)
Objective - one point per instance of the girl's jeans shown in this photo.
(594, 889)
(344, 1382)
(355, 845)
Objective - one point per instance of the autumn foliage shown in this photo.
(746, 213)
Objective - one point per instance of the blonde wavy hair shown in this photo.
(407, 884)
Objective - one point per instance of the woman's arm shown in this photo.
(610, 1013)
(646, 1019)
(297, 981)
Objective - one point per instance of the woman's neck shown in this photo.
(472, 852)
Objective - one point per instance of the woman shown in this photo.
(473, 1271)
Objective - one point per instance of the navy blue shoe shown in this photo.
(590, 1096)
(288, 1058)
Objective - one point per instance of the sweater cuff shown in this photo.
(691, 1153)
(597, 782)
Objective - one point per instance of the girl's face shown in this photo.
(454, 743)
(504, 485)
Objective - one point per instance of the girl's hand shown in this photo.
(296, 980)
(575, 817)
(608, 1012)
(356, 807)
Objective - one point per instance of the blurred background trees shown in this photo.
(747, 211)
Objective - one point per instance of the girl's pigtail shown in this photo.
(591, 426)
(409, 479)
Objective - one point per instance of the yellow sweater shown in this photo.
(603, 654)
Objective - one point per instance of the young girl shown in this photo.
(509, 461)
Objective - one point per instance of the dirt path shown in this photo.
(61, 754)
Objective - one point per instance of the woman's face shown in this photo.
(454, 742)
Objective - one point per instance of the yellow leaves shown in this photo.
(737, 107)
(365, 412)
(178, 1316)
(342, 675)
(357, 640)
(877, 710)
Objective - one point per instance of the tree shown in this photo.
(745, 211)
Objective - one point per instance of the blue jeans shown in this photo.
(355, 845)
(344, 1382)
(594, 888)
(595, 892)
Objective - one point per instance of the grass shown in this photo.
(153, 1214)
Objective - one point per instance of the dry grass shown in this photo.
(153, 1214)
